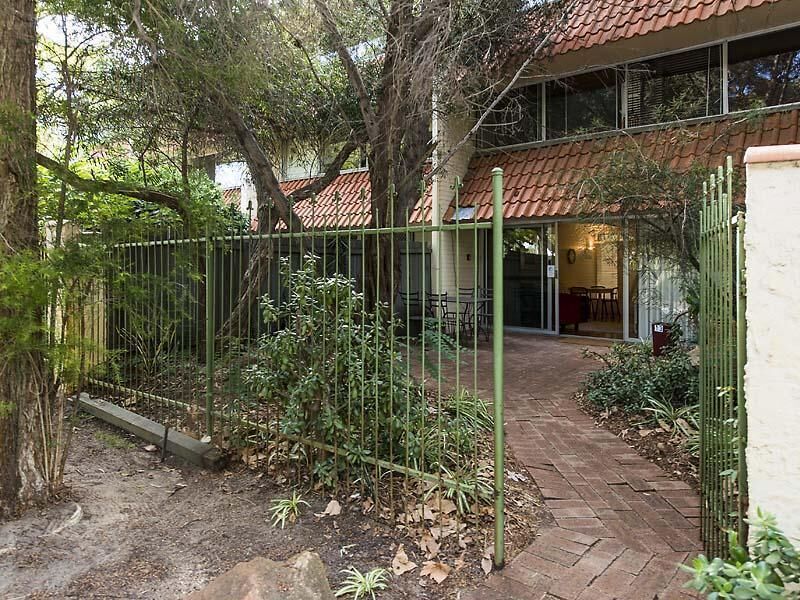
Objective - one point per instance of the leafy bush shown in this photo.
(772, 566)
(631, 374)
(440, 347)
(331, 375)
(329, 370)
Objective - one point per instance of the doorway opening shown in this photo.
(590, 259)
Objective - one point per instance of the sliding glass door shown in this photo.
(529, 277)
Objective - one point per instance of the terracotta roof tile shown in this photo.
(546, 188)
(597, 22)
(345, 202)
(232, 196)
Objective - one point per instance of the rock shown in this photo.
(302, 577)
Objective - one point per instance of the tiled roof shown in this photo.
(542, 181)
(597, 22)
(352, 209)
(232, 196)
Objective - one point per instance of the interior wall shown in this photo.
(596, 255)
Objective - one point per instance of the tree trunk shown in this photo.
(22, 479)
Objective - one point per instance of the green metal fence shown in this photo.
(293, 351)
(723, 421)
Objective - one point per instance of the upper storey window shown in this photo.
(764, 71)
(754, 72)
(583, 104)
(671, 88)
(517, 119)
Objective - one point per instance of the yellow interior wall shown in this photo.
(595, 255)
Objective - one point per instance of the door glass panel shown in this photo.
(524, 275)
(528, 293)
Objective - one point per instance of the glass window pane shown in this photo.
(680, 86)
(764, 71)
(515, 120)
(582, 104)
(524, 277)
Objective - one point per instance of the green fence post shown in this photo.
(497, 338)
(210, 333)
(741, 360)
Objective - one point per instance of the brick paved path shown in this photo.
(621, 525)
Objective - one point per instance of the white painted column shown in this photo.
(772, 373)
(446, 257)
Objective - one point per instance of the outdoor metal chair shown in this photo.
(437, 307)
(410, 300)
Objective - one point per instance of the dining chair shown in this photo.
(437, 307)
(466, 292)
(409, 299)
(483, 316)
(614, 304)
(598, 307)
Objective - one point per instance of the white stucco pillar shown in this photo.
(772, 373)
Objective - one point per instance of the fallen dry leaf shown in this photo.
(400, 562)
(429, 546)
(438, 504)
(486, 565)
(460, 562)
(435, 570)
(486, 561)
(333, 509)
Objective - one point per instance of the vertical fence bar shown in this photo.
(722, 335)
(703, 341)
(210, 330)
(497, 319)
(741, 359)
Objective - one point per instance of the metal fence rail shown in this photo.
(723, 434)
(282, 348)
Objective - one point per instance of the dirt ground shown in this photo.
(146, 529)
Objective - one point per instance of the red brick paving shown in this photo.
(621, 526)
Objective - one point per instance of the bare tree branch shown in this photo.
(353, 74)
(333, 170)
(261, 167)
(535, 54)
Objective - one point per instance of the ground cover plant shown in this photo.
(769, 569)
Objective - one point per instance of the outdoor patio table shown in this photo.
(468, 305)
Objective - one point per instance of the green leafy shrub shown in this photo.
(328, 369)
(771, 566)
(440, 347)
(631, 374)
